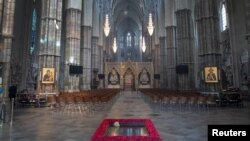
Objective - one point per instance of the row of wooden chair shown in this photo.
(82, 102)
(178, 100)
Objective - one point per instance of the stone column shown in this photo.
(95, 56)
(101, 62)
(1, 12)
(72, 48)
(156, 57)
(163, 62)
(208, 40)
(101, 58)
(170, 6)
(247, 17)
(50, 42)
(86, 57)
(185, 48)
(171, 56)
(86, 37)
(7, 19)
(95, 62)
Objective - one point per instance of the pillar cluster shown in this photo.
(208, 40)
(185, 49)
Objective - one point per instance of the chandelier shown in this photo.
(106, 26)
(114, 46)
(143, 45)
(150, 25)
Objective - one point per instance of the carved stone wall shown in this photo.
(227, 66)
(135, 67)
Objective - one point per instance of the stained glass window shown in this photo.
(224, 17)
(136, 41)
(129, 39)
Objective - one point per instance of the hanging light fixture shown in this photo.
(114, 46)
(143, 45)
(106, 26)
(150, 25)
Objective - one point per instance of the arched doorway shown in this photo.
(129, 80)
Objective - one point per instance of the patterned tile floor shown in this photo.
(42, 124)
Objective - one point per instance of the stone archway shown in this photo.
(129, 80)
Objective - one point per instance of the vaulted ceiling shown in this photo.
(128, 11)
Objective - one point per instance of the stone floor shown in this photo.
(44, 124)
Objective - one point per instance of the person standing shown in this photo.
(12, 92)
